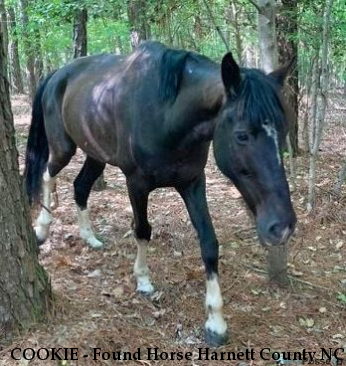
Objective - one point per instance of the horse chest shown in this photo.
(173, 169)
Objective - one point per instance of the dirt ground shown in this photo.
(95, 304)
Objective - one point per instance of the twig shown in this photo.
(307, 283)
(215, 25)
(256, 6)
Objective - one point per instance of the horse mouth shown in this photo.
(277, 242)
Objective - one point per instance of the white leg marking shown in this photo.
(214, 303)
(45, 218)
(85, 230)
(271, 132)
(141, 269)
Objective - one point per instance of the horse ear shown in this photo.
(230, 73)
(281, 73)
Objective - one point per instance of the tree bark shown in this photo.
(139, 25)
(4, 31)
(232, 16)
(17, 79)
(287, 31)
(24, 286)
(29, 49)
(276, 256)
(341, 179)
(80, 39)
(322, 105)
(80, 49)
(267, 35)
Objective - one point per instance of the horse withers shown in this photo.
(153, 113)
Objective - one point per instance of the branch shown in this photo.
(256, 6)
(215, 25)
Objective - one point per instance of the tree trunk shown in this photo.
(321, 107)
(28, 49)
(17, 80)
(232, 15)
(4, 31)
(313, 132)
(80, 49)
(24, 285)
(39, 68)
(341, 179)
(80, 38)
(287, 30)
(267, 35)
(276, 256)
(139, 25)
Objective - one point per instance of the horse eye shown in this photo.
(245, 173)
(242, 137)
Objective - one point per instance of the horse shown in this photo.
(154, 113)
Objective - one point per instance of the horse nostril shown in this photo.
(275, 230)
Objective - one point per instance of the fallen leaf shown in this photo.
(118, 292)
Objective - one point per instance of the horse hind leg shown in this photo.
(55, 165)
(45, 218)
(139, 200)
(89, 173)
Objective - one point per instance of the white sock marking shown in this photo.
(85, 230)
(45, 218)
(271, 132)
(214, 303)
(141, 270)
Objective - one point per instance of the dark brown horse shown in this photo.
(153, 113)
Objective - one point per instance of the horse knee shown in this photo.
(59, 160)
(80, 194)
(210, 256)
(143, 232)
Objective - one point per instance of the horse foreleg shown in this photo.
(91, 170)
(141, 269)
(194, 196)
(139, 201)
(45, 217)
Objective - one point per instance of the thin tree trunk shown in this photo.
(267, 35)
(39, 68)
(139, 25)
(276, 256)
(29, 49)
(287, 29)
(80, 39)
(341, 179)
(24, 285)
(313, 131)
(321, 108)
(232, 19)
(16, 73)
(4, 31)
(80, 49)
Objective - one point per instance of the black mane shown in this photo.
(172, 65)
(259, 97)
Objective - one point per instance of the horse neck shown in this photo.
(192, 116)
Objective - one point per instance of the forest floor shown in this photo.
(95, 304)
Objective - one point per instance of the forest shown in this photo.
(76, 293)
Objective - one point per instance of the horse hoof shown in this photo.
(214, 339)
(39, 241)
(146, 289)
(41, 235)
(94, 243)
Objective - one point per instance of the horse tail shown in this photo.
(37, 150)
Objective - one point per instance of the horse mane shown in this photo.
(259, 97)
(172, 65)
